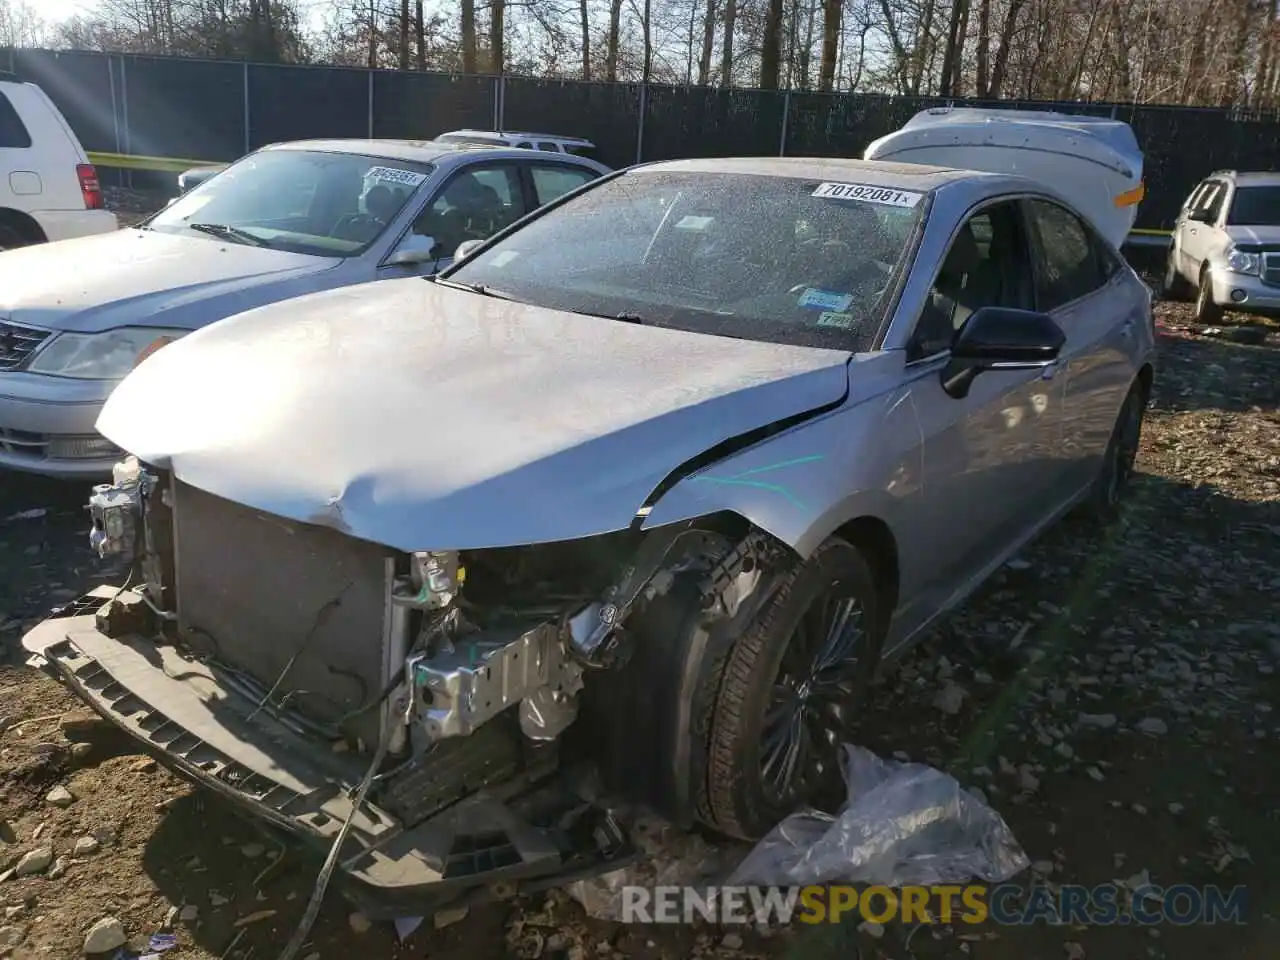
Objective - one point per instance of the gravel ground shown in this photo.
(1168, 617)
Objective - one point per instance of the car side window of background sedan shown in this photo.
(476, 203)
(986, 266)
(551, 181)
(1068, 265)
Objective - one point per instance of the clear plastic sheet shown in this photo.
(903, 823)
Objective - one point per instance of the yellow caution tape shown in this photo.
(125, 161)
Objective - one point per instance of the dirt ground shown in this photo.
(1171, 615)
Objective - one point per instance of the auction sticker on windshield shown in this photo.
(391, 175)
(887, 196)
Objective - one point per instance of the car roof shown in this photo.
(413, 151)
(519, 135)
(873, 172)
(1251, 177)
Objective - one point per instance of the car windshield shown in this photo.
(1255, 207)
(302, 201)
(778, 259)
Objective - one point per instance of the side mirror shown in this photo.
(416, 250)
(1000, 338)
(466, 248)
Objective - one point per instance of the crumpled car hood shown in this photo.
(423, 417)
(141, 278)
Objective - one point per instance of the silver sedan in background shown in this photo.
(290, 219)
(648, 484)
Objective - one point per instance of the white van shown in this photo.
(1094, 162)
(48, 188)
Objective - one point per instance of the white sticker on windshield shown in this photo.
(886, 196)
(391, 175)
(503, 258)
(694, 223)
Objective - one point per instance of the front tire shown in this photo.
(789, 683)
(1175, 287)
(1207, 312)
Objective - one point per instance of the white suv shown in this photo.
(51, 191)
(549, 142)
(1226, 246)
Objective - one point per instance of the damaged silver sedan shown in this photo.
(624, 509)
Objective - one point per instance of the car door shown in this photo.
(550, 180)
(983, 459)
(1081, 284)
(473, 203)
(1197, 231)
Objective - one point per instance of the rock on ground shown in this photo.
(107, 934)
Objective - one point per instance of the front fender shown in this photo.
(863, 459)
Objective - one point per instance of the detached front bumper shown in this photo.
(493, 844)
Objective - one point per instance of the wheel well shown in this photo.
(1146, 376)
(875, 539)
(22, 223)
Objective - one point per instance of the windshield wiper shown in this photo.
(479, 288)
(224, 232)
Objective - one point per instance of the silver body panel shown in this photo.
(422, 417)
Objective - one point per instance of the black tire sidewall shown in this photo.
(1206, 310)
(11, 239)
(738, 801)
(1172, 280)
(1100, 506)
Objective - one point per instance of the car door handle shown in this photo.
(1050, 370)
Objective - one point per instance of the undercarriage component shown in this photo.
(511, 836)
(448, 771)
(457, 690)
(436, 576)
(596, 632)
(115, 510)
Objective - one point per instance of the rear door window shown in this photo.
(13, 132)
(1212, 201)
(1068, 262)
(551, 181)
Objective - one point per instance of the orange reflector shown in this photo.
(1130, 197)
(151, 348)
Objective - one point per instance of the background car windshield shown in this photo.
(746, 256)
(327, 204)
(1255, 207)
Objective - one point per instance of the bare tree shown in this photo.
(832, 11)
(771, 47)
(611, 47)
(467, 11)
(726, 46)
(497, 35)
